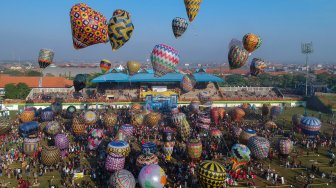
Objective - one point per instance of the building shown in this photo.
(34, 82)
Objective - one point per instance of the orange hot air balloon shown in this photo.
(221, 112)
(251, 42)
(237, 114)
(136, 108)
(215, 115)
(133, 67)
(152, 119)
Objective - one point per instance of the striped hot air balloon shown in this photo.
(120, 29)
(192, 7)
(164, 59)
(105, 65)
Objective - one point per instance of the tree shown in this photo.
(235, 80)
(10, 91)
(19, 91)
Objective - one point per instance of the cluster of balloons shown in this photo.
(240, 51)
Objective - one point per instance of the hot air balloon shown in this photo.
(137, 119)
(246, 135)
(120, 29)
(152, 119)
(237, 57)
(251, 42)
(275, 111)
(133, 67)
(27, 116)
(47, 114)
(78, 126)
(259, 147)
(178, 118)
(164, 59)
(152, 176)
(122, 179)
(148, 147)
(90, 117)
(194, 148)
(146, 159)
(257, 66)
(215, 115)
(310, 126)
(211, 174)
(79, 82)
(62, 142)
(29, 129)
(30, 145)
(118, 147)
(216, 134)
(50, 155)
(53, 128)
(240, 156)
(237, 131)
(95, 138)
(57, 107)
(136, 108)
(192, 7)
(71, 110)
(270, 125)
(110, 120)
(237, 114)
(179, 25)
(88, 26)
(241, 152)
(114, 162)
(128, 129)
(105, 65)
(221, 112)
(236, 42)
(45, 58)
(296, 118)
(184, 130)
(188, 82)
(168, 148)
(265, 110)
(285, 146)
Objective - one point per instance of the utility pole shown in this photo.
(307, 48)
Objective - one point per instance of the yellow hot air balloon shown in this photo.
(192, 7)
(133, 67)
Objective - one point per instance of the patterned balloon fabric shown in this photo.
(259, 147)
(152, 176)
(251, 42)
(45, 58)
(194, 148)
(88, 26)
(105, 65)
(61, 141)
(114, 162)
(118, 147)
(164, 59)
(257, 66)
(148, 148)
(241, 152)
(179, 25)
(285, 146)
(90, 117)
(237, 57)
(122, 179)
(147, 159)
(192, 7)
(120, 29)
(188, 82)
(310, 126)
(211, 174)
(133, 67)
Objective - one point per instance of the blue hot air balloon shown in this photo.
(310, 126)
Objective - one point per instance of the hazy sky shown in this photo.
(29, 25)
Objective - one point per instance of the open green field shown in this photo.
(328, 101)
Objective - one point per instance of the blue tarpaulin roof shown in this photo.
(149, 77)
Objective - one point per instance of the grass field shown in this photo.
(328, 101)
(292, 176)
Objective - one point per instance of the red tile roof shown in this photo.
(227, 71)
(33, 82)
(322, 71)
(277, 73)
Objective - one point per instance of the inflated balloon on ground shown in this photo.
(211, 174)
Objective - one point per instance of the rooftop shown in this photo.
(35, 82)
(149, 77)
